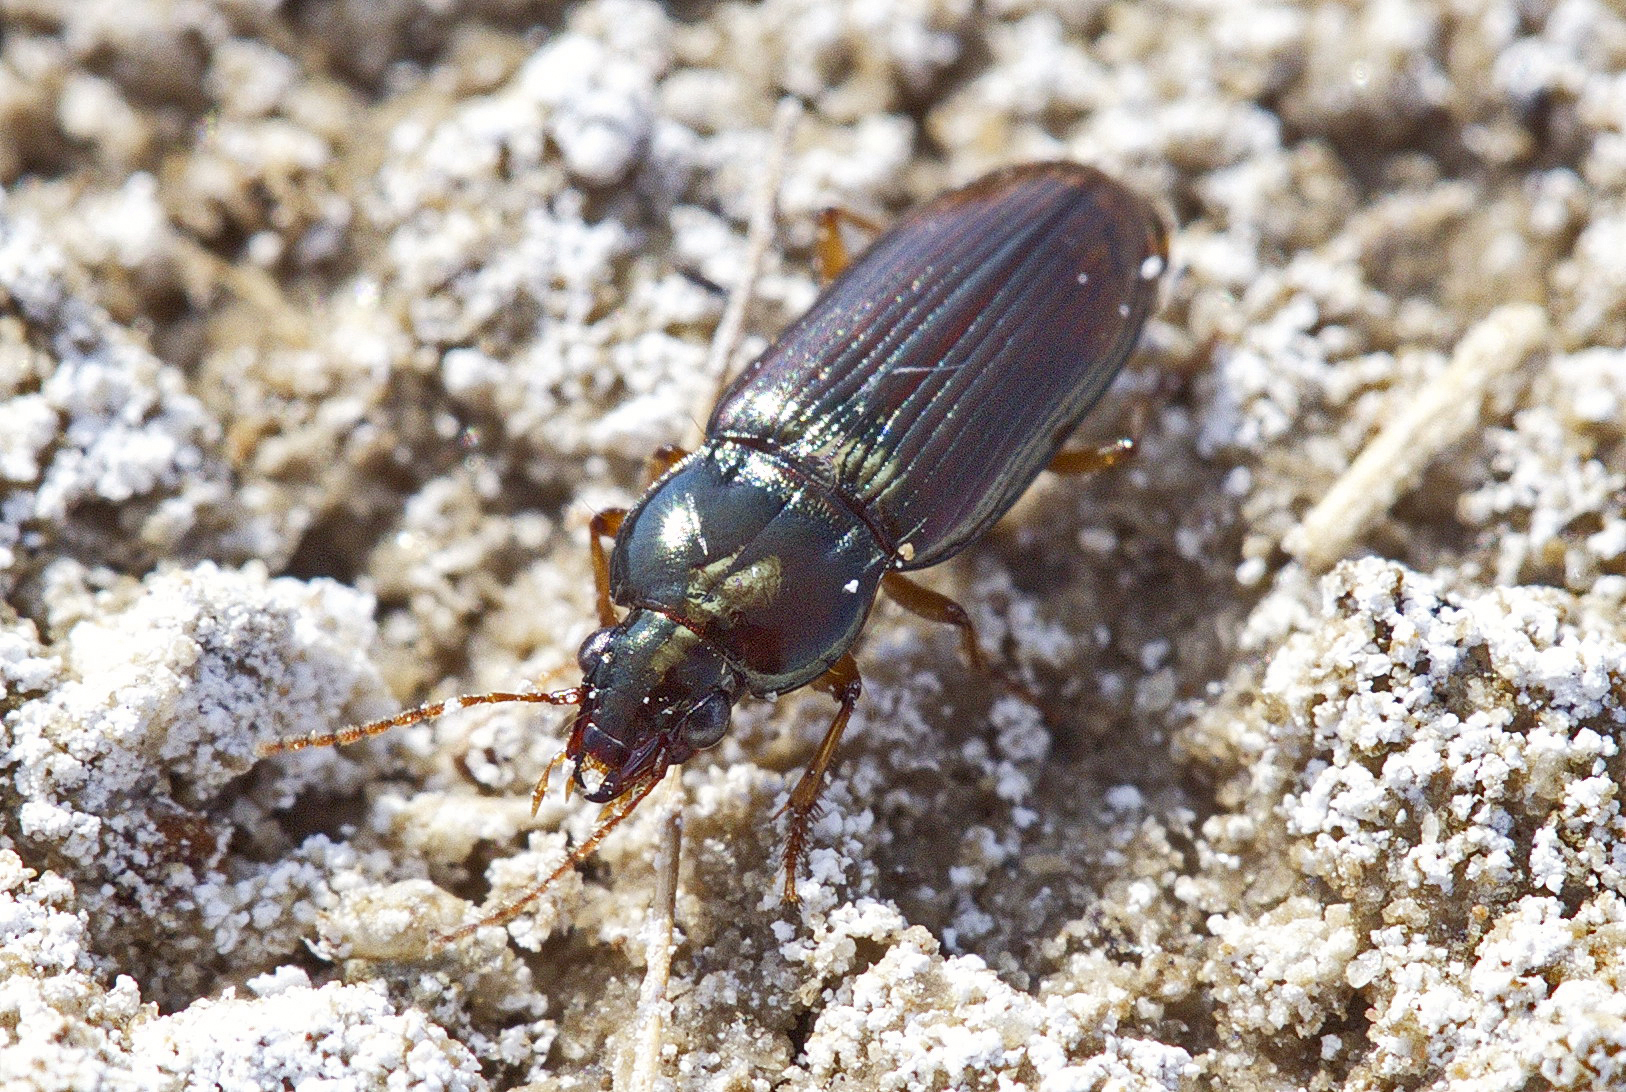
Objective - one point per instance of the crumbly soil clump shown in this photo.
(325, 327)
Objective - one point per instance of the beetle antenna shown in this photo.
(609, 819)
(569, 696)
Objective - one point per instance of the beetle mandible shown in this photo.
(888, 427)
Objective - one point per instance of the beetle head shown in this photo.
(656, 692)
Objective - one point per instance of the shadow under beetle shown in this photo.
(888, 427)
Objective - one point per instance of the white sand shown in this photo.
(325, 327)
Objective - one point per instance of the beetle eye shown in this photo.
(593, 649)
(705, 724)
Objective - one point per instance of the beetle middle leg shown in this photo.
(843, 683)
(918, 599)
(934, 606)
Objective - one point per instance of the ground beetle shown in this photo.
(892, 424)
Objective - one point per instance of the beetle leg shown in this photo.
(1091, 459)
(843, 683)
(933, 606)
(605, 524)
(829, 249)
(661, 460)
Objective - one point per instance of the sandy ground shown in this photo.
(324, 327)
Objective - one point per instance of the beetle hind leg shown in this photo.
(1091, 460)
(843, 683)
(829, 248)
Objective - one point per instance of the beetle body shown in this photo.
(891, 425)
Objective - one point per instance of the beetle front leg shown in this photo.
(661, 460)
(605, 524)
(843, 683)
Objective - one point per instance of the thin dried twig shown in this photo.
(644, 1064)
(641, 1069)
(1433, 419)
(758, 235)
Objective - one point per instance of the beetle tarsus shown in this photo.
(541, 789)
